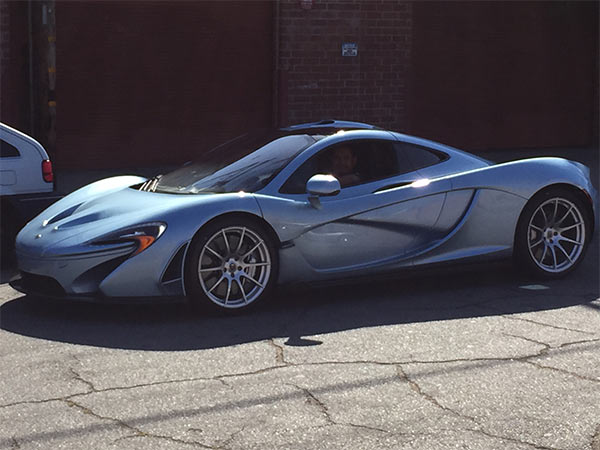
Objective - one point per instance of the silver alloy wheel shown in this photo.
(556, 235)
(234, 267)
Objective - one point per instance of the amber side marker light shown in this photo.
(144, 241)
(143, 235)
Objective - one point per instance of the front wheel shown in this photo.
(553, 234)
(232, 266)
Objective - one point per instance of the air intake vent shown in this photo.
(66, 213)
(41, 285)
(175, 267)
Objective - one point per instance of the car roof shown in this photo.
(5, 129)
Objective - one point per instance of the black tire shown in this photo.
(233, 288)
(548, 242)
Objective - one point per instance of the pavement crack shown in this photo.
(544, 352)
(480, 428)
(222, 378)
(312, 399)
(430, 398)
(596, 439)
(543, 324)
(78, 377)
(224, 445)
(279, 354)
(224, 383)
(563, 371)
(166, 438)
(39, 402)
(547, 347)
(86, 410)
(14, 443)
(509, 439)
(128, 436)
(250, 373)
(366, 427)
(136, 432)
(585, 341)
(217, 378)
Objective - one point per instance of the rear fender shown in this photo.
(523, 178)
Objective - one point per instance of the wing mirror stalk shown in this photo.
(321, 185)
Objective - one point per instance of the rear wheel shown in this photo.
(232, 266)
(553, 234)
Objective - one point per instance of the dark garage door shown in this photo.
(505, 74)
(147, 83)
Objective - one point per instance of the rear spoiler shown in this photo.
(331, 124)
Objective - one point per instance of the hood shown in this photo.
(95, 210)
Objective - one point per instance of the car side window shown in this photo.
(8, 150)
(351, 162)
(417, 157)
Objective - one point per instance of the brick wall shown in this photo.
(14, 67)
(165, 80)
(317, 82)
(152, 83)
(4, 44)
(504, 74)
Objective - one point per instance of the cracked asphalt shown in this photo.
(458, 358)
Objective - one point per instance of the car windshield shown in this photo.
(246, 163)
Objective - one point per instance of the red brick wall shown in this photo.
(147, 83)
(4, 38)
(505, 74)
(151, 83)
(14, 72)
(317, 82)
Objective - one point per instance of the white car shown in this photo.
(26, 181)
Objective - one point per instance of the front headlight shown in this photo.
(143, 235)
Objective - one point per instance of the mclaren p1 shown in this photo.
(318, 201)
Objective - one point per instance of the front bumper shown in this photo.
(106, 275)
(48, 288)
(77, 275)
(37, 285)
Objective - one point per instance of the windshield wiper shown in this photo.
(150, 185)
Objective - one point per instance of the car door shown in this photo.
(10, 158)
(381, 218)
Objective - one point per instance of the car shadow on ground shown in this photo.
(295, 313)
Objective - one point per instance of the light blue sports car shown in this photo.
(319, 201)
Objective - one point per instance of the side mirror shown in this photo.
(321, 185)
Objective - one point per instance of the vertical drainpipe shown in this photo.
(31, 102)
(275, 100)
(280, 83)
(49, 23)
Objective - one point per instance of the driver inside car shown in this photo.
(343, 166)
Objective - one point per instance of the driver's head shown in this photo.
(343, 161)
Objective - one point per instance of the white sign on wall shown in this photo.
(349, 49)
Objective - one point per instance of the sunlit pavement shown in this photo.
(475, 358)
(435, 360)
